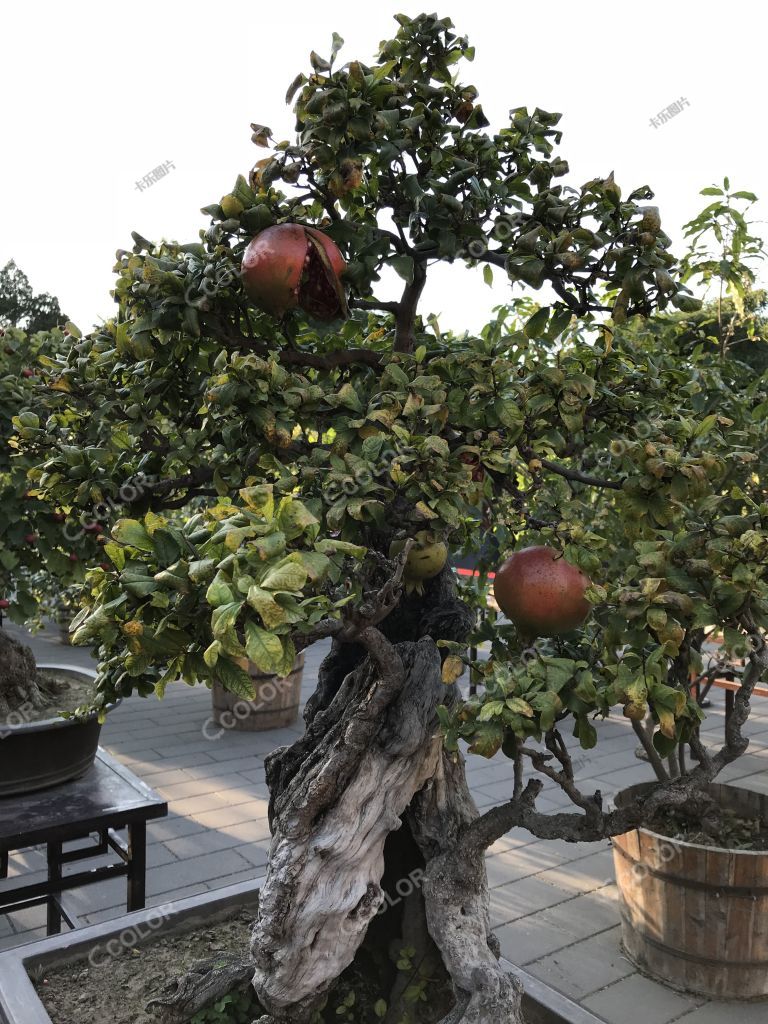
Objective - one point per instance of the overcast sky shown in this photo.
(97, 94)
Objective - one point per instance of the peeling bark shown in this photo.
(345, 791)
(372, 757)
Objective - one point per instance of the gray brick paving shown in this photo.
(584, 967)
(640, 1001)
(724, 1013)
(553, 904)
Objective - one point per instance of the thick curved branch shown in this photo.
(757, 664)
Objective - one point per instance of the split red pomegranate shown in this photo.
(540, 592)
(290, 265)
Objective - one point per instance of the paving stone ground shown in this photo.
(553, 904)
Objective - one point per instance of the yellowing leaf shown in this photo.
(453, 667)
(423, 509)
(260, 500)
(272, 614)
(285, 576)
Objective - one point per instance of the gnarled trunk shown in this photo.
(366, 799)
(18, 677)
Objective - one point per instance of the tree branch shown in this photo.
(234, 339)
(653, 756)
(591, 805)
(374, 304)
(405, 318)
(579, 477)
(735, 744)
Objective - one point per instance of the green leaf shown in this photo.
(664, 744)
(116, 554)
(235, 679)
(264, 649)
(219, 592)
(132, 533)
(403, 265)
(510, 416)
(315, 563)
(225, 617)
(166, 545)
(537, 323)
(202, 569)
(585, 732)
(490, 709)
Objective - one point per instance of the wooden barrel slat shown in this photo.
(275, 706)
(696, 917)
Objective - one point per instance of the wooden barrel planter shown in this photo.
(275, 705)
(696, 917)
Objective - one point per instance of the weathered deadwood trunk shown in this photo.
(370, 763)
(18, 676)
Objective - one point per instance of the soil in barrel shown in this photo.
(726, 830)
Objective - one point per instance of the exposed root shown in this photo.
(204, 983)
(456, 899)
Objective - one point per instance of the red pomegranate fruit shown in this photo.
(290, 265)
(540, 592)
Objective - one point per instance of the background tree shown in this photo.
(333, 461)
(44, 551)
(20, 307)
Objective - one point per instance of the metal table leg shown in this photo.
(54, 875)
(137, 865)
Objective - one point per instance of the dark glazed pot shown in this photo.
(35, 755)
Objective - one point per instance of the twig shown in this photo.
(653, 756)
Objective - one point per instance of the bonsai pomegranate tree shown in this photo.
(43, 550)
(338, 446)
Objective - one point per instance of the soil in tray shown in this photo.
(727, 831)
(60, 692)
(114, 989)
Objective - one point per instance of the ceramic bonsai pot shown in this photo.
(35, 755)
